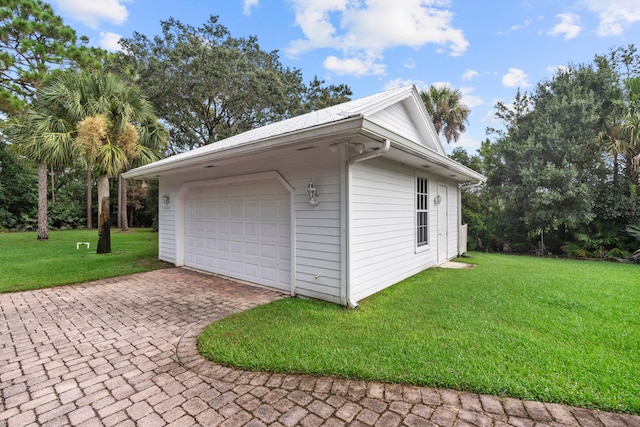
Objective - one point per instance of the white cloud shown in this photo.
(516, 27)
(410, 63)
(354, 66)
(466, 141)
(364, 29)
(400, 82)
(469, 99)
(469, 74)
(248, 5)
(442, 84)
(569, 26)
(109, 41)
(515, 78)
(91, 13)
(490, 117)
(552, 70)
(615, 15)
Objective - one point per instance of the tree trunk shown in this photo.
(53, 188)
(122, 204)
(89, 199)
(43, 225)
(119, 214)
(104, 217)
(124, 226)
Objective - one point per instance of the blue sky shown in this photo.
(486, 48)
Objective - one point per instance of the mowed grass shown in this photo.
(28, 263)
(541, 329)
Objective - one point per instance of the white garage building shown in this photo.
(336, 204)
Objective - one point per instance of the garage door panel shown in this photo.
(252, 210)
(284, 255)
(252, 249)
(223, 245)
(268, 252)
(236, 247)
(269, 210)
(252, 270)
(268, 231)
(236, 229)
(241, 230)
(284, 232)
(251, 230)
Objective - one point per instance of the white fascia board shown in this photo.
(420, 151)
(444, 161)
(348, 125)
(382, 133)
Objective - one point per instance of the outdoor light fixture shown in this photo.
(166, 201)
(437, 200)
(313, 197)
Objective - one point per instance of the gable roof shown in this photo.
(367, 108)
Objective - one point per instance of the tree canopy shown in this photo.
(32, 41)
(208, 85)
(448, 113)
(562, 173)
(94, 116)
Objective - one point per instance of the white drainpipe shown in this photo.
(463, 186)
(359, 158)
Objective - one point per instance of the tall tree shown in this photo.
(549, 166)
(17, 190)
(316, 96)
(34, 40)
(208, 85)
(448, 113)
(99, 118)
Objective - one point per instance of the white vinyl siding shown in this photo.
(397, 119)
(383, 227)
(167, 223)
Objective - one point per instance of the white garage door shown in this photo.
(240, 230)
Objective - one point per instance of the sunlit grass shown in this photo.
(28, 263)
(543, 329)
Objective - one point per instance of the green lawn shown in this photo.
(542, 329)
(27, 263)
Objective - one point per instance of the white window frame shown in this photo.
(422, 211)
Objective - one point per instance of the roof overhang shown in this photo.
(334, 130)
(356, 128)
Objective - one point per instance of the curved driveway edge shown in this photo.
(122, 351)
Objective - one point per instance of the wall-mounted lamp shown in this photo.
(166, 201)
(313, 197)
(437, 200)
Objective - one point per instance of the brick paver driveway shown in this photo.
(123, 351)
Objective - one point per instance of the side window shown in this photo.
(422, 211)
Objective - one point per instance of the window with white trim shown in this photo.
(422, 211)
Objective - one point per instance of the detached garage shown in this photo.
(241, 230)
(336, 204)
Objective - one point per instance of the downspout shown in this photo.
(359, 158)
(463, 186)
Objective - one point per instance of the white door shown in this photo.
(241, 230)
(442, 223)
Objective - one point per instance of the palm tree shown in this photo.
(611, 129)
(99, 119)
(631, 129)
(25, 133)
(448, 114)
